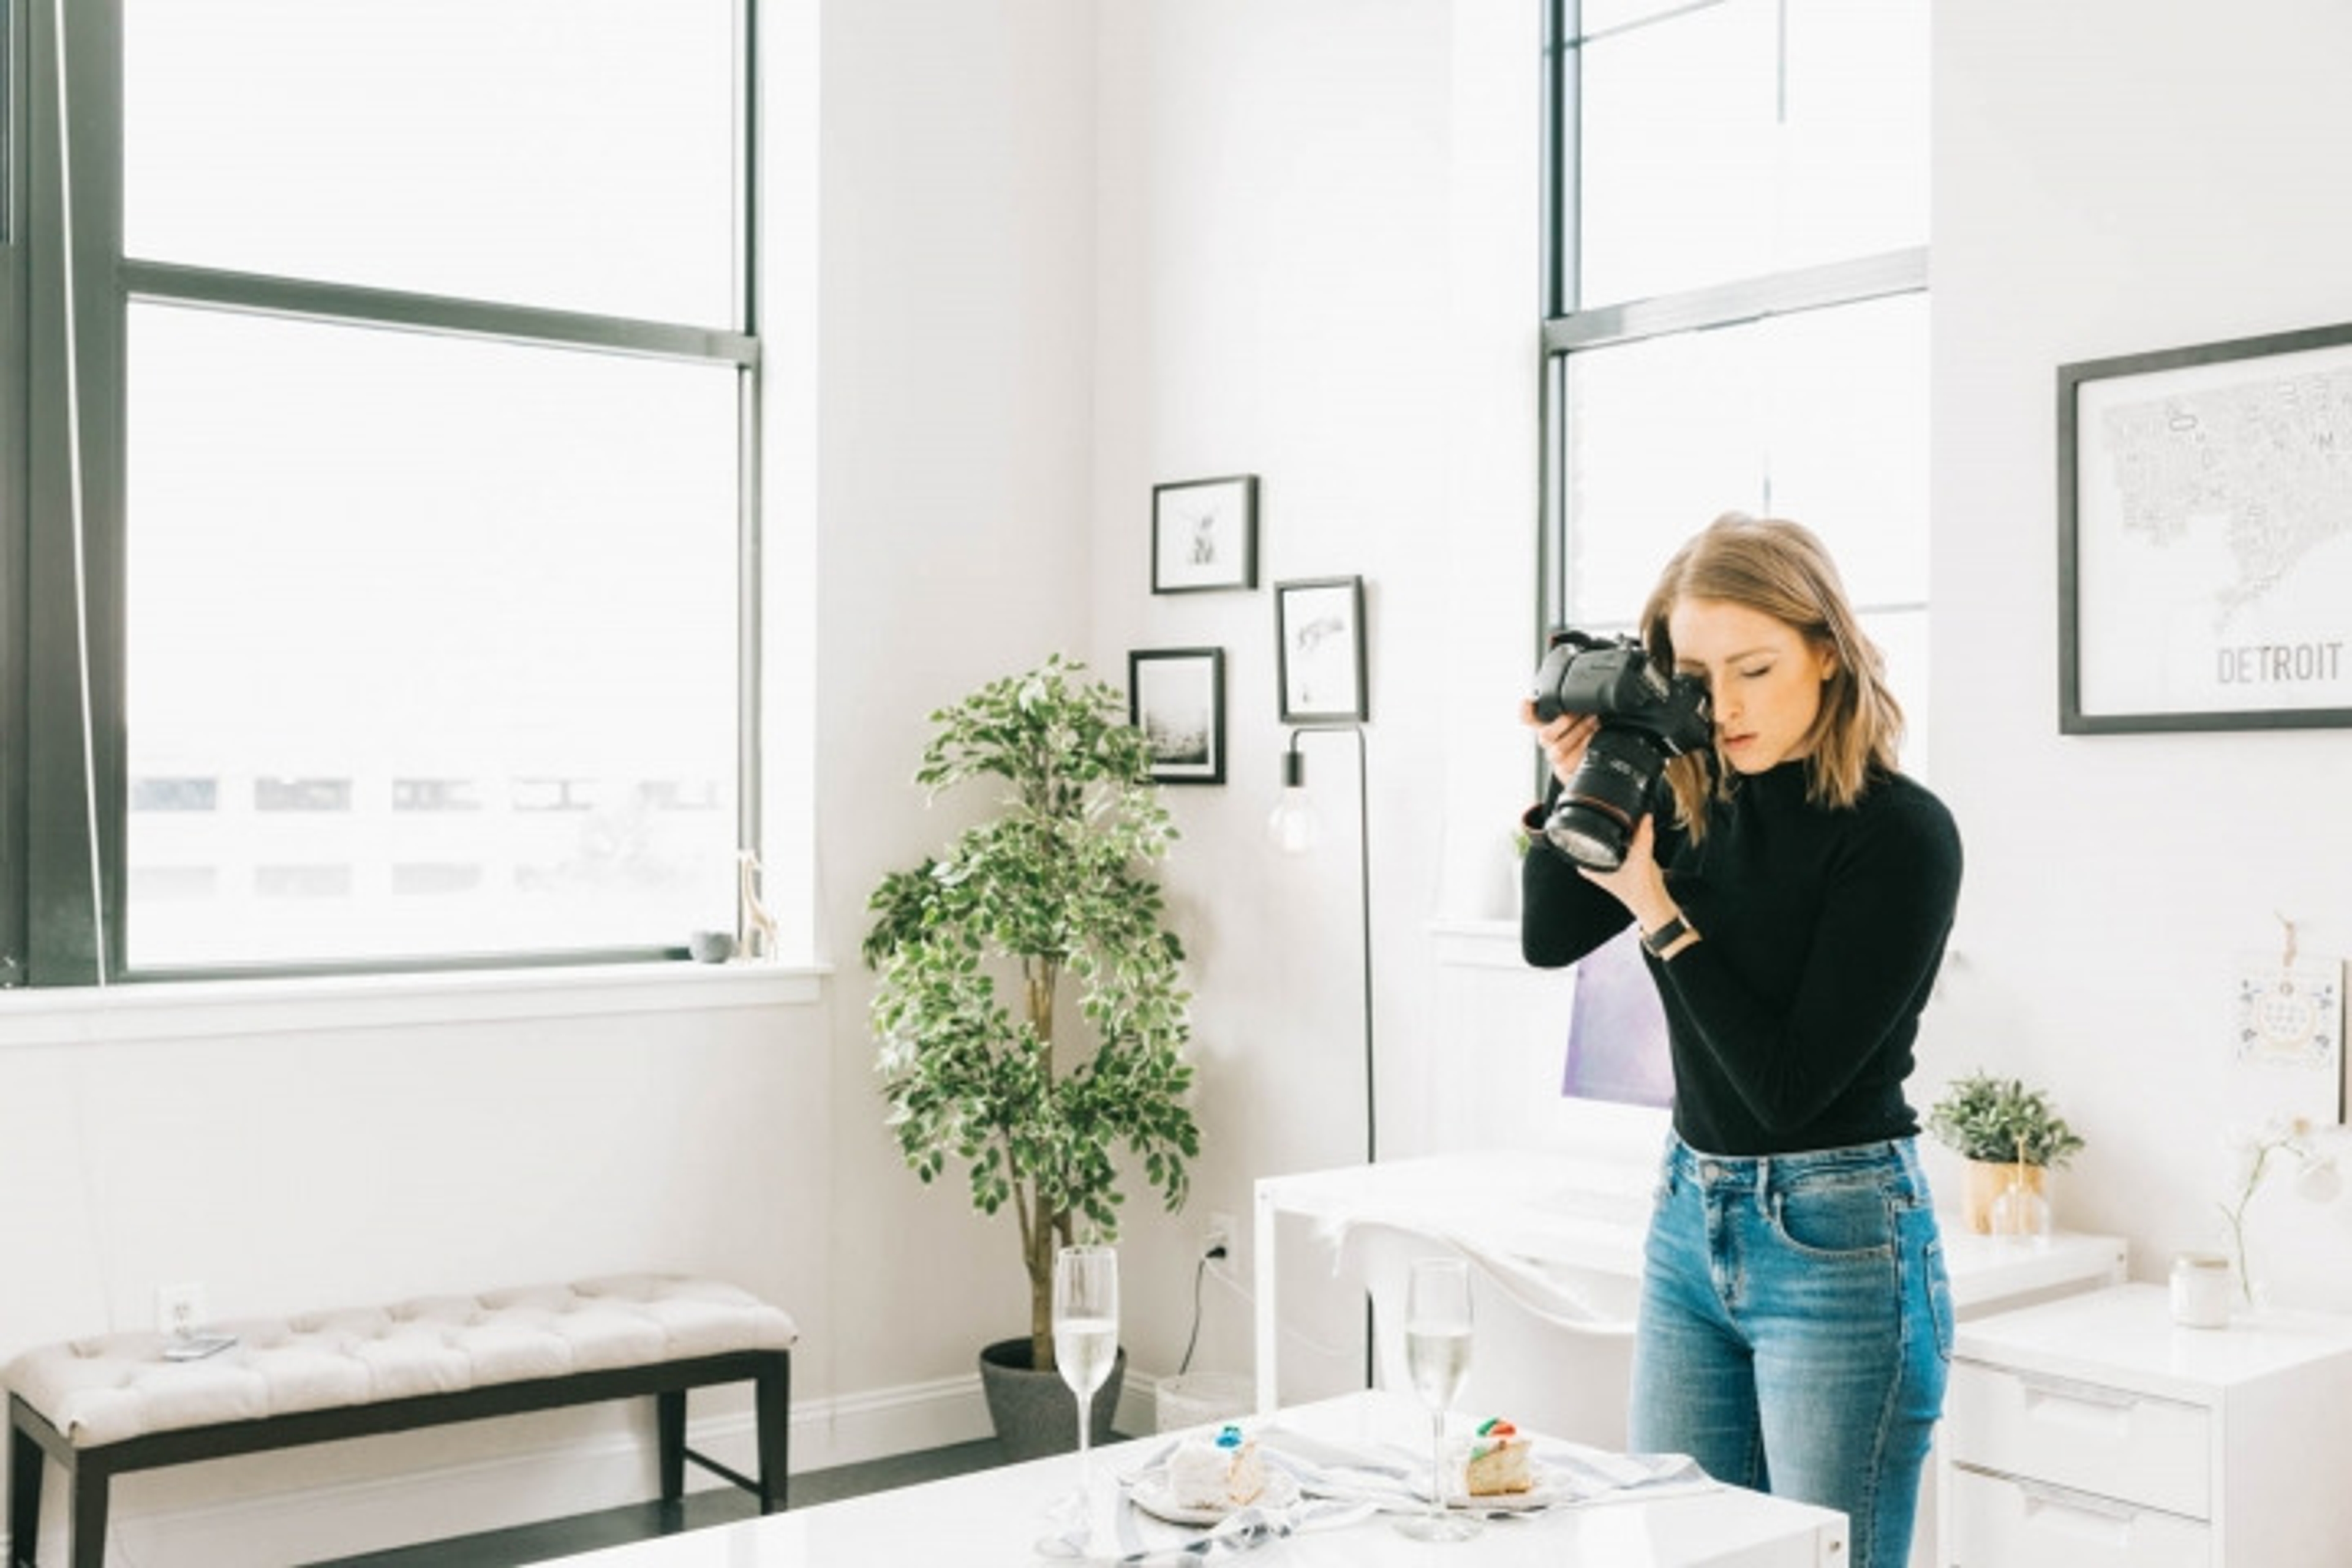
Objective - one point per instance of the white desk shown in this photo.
(1584, 1220)
(2094, 1432)
(997, 1516)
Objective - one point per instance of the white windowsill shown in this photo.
(196, 1009)
(1477, 943)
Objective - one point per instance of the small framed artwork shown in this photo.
(1204, 535)
(2204, 566)
(1318, 638)
(1176, 695)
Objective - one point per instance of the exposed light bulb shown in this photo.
(1294, 824)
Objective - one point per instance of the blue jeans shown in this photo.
(1796, 1329)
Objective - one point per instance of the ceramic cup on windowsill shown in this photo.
(710, 946)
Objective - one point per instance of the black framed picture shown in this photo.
(1204, 535)
(1176, 695)
(1318, 638)
(2205, 536)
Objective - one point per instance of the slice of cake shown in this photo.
(1223, 1471)
(1498, 1461)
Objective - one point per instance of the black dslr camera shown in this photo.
(1647, 719)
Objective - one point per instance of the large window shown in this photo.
(1736, 312)
(376, 581)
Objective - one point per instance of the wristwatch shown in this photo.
(1666, 936)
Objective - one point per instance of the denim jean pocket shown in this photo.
(1848, 1217)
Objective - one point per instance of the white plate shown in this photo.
(1546, 1488)
(1150, 1494)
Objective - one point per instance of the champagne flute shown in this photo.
(1086, 1334)
(1437, 1357)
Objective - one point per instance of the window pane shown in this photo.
(569, 154)
(1820, 416)
(1845, 403)
(1714, 145)
(1663, 434)
(1603, 15)
(1677, 137)
(431, 643)
(1854, 147)
(1903, 637)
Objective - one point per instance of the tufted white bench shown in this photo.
(111, 1405)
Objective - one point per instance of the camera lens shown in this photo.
(1606, 795)
(1588, 837)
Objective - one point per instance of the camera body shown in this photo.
(1648, 717)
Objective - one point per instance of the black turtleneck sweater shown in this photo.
(1791, 1021)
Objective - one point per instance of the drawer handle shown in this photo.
(2041, 1494)
(2040, 1387)
(2100, 1521)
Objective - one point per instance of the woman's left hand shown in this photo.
(1637, 883)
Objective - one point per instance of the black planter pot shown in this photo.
(1034, 1412)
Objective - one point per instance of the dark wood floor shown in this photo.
(723, 1505)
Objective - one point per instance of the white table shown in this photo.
(1584, 1218)
(1580, 1222)
(996, 1517)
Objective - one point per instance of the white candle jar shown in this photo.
(2200, 1291)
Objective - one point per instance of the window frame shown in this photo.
(63, 877)
(1568, 329)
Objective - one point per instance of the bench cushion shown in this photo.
(116, 1387)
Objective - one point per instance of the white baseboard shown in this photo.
(552, 1479)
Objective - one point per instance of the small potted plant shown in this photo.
(2006, 1131)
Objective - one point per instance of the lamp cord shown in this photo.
(1192, 1339)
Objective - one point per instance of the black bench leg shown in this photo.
(772, 1399)
(669, 1428)
(23, 1496)
(89, 1488)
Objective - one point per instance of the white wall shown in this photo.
(2112, 177)
(959, 283)
(1315, 265)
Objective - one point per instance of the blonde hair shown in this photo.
(1781, 568)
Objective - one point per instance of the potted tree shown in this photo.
(2006, 1131)
(1030, 1009)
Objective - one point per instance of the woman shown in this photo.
(1793, 898)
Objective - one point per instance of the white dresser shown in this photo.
(2091, 1432)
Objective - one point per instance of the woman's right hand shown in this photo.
(1563, 739)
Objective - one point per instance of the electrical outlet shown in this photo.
(1217, 1237)
(180, 1309)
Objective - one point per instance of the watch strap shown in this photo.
(1666, 936)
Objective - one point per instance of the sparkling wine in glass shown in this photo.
(1086, 1333)
(1437, 1358)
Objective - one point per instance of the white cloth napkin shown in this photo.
(1392, 1478)
(1340, 1484)
(1137, 1539)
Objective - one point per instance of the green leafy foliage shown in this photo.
(1049, 908)
(1984, 1118)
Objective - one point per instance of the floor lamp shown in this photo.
(1296, 828)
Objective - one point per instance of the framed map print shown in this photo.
(2205, 536)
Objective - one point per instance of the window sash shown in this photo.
(63, 810)
(1567, 331)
